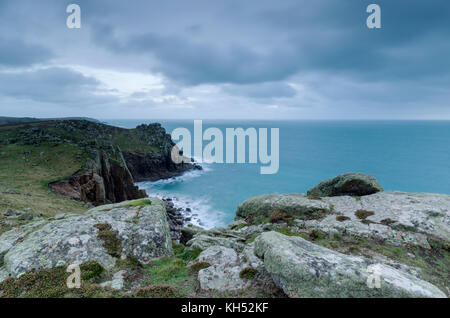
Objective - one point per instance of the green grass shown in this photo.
(248, 273)
(110, 240)
(52, 283)
(173, 272)
(25, 174)
(363, 214)
(140, 203)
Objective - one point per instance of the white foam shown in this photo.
(202, 213)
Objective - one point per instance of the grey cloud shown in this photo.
(15, 52)
(53, 85)
(262, 91)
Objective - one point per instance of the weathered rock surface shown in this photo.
(104, 181)
(357, 184)
(293, 204)
(303, 269)
(188, 232)
(217, 236)
(223, 274)
(398, 217)
(141, 231)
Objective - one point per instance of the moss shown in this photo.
(281, 216)
(316, 235)
(2, 258)
(178, 249)
(168, 268)
(363, 214)
(353, 249)
(248, 273)
(239, 226)
(251, 239)
(171, 271)
(91, 270)
(198, 266)
(258, 219)
(342, 218)
(387, 221)
(286, 231)
(130, 261)
(140, 203)
(357, 198)
(190, 255)
(52, 283)
(313, 197)
(365, 221)
(158, 291)
(110, 240)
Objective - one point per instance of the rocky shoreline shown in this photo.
(380, 244)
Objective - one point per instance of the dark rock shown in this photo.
(354, 184)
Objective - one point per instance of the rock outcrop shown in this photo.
(304, 269)
(111, 158)
(104, 234)
(398, 217)
(157, 163)
(356, 184)
(223, 272)
(105, 180)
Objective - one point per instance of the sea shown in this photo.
(411, 156)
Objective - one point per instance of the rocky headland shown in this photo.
(347, 238)
(103, 161)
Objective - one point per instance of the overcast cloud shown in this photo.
(200, 59)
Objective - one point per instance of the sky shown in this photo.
(225, 59)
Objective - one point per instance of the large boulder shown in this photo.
(294, 204)
(356, 184)
(224, 273)
(103, 234)
(303, 269)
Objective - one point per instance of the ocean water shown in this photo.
(412, 156)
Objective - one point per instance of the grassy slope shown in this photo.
(26, 170)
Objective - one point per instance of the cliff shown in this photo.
(101, 162)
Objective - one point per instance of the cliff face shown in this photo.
(156, 164)
(105, 181)
(114, 157)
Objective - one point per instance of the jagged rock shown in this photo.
(357, 184)
(303, 269)
(223, 274)
(188, 232)
(106, 180)
(103, 234)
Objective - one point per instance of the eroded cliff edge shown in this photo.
(109, 159)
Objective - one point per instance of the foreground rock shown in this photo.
(303, 269)
(223, 272)
(397, 217)
(357, 184)
(104, 234)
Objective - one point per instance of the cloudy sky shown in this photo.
(201, 59)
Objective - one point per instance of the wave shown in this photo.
(198, 211)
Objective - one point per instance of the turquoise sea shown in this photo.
(412, 156)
